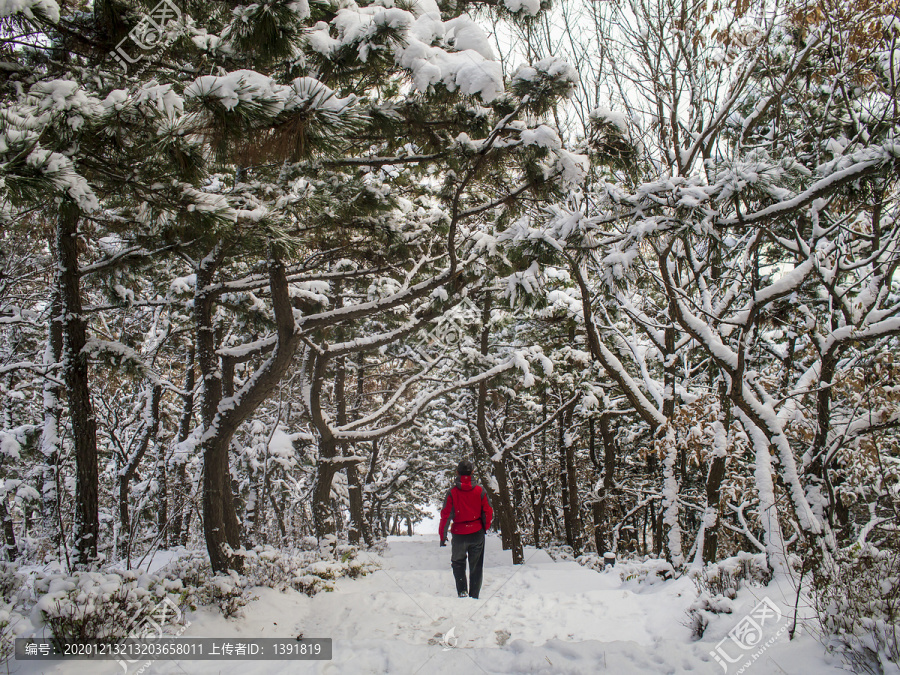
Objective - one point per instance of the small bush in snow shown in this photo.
(101, 605)
(308, 570)
(649, 571)
(13, 593)
(110, 604)
(726, 577)
(10, 581)
(229, 592)
(193, 569)
(718, 584)
(702, 610)
(561, 552)
(858, 605)
(8, 621)
(6, 633)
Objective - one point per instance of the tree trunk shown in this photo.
(482, 447)
(712, 516)
(323, 516)
(179, 530)
(259, 516)
(340, 394)
(279, 514)
(357, 515)
(603, 510)
(221, 419)
(316, 369)
(503, 506)
(569, 484)
(162, 500)
(657, 519)
(671, 511)
(127, 472)
(252, 506)
(539, 514)
(598, 504)
(574, 525)
(367, 532)
(510, 525)
(670, 458)
(9, 533)
(379, 519)
(542, 500)
(817, 469)
(86, 529)
(52, 409)
(354, 484)
(220, 524)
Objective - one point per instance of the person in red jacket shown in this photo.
(468, 506)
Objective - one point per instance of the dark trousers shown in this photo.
(469, 546)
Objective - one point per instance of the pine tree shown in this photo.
(316, 132)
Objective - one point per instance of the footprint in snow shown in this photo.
(502, 637)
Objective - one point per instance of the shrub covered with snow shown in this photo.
(11, 582)
(562, 552)
(6, 641)
(11, 626)
(308, 571)
(115, 603)
(858, 605)
(702, 610)
(646, 571)
(718, 585)
(13, 593)
(728, 576)
(103, 605)
(228, 592)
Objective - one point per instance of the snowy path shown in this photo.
(541, 617)
(560, 617)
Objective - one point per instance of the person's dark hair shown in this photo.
(465, 468)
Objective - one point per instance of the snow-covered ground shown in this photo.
(542, 617)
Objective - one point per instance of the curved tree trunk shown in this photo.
(219, 518)
(221, 418)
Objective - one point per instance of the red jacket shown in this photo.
(469, 508)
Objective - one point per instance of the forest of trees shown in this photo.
(270, 270)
